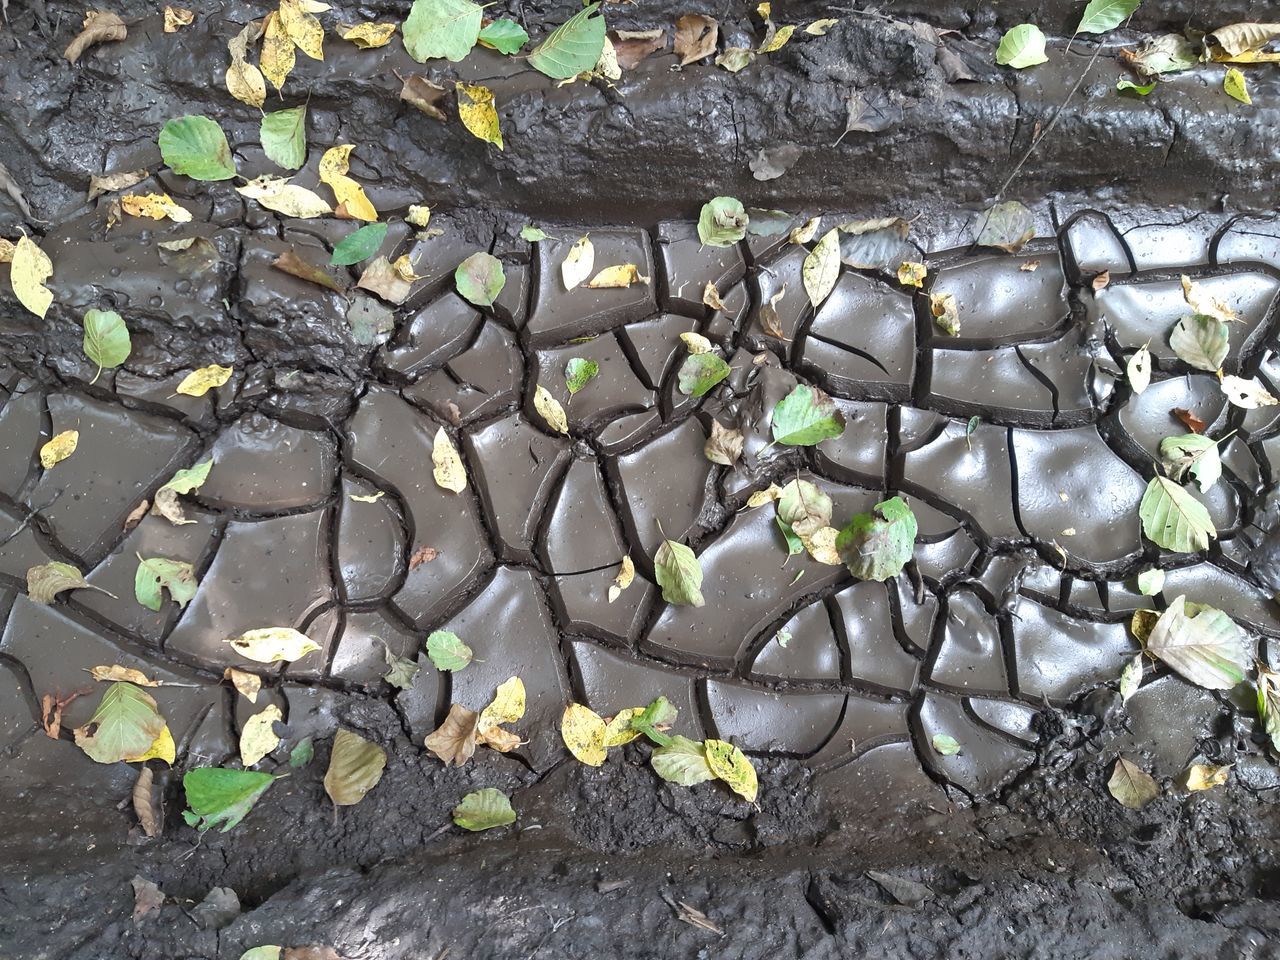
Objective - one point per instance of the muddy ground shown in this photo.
(600, 862)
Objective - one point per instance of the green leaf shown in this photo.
(484, 810)
(678, 573)
(1236, 86)
(358, 245)
(945, 744)
(124, 726)
(658, 713)
(1141, 89)
(400, 670)
(1201, 341)
(197, 148)
(1103, 15)
(722, 222)
(1174, 519)
(700, 372)
(682, 761)
(442, 28)
(1007, 226)
(1129, 783)
(157, 574)
(302, 754)
(878, 547)
(572, 47)
(1021, 47)
(1192, 453)
(806, 416)
(804, 507)
(1150, 582)
(448, 652)
(355, 767)
(505, 36)
(262, 953)
(795, 545)
(731, 765)
(184, 481)
(480, 279)
(106, 339)
(219, 795)
(578, 372)
(531, 234)
(1202, 644)
(284, 137)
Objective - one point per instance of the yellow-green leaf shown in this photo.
(355, 767)
(732, 766)
(28, 271)
(199, 382)
(258, 736)
(584, 733)
(58, 448)
(271, 644)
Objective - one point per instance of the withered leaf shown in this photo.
(1101, 280)
(423, 554)
(632, 46)
(1189, 420)
(696, 36)
(144, 803)
(428, 97)
(454, 741)
(769, 320)
(292, 264)
(110, 182)
(724, 446)
(175, 18)
(711, 296)
(383, 280)
(147, 895)
(100, 26)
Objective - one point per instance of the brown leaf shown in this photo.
(694, 916)
(711, 296)
(425, 95)
(146, 895)
(110, 182)
(1101, 280)
(696, 36)
(145, 805)
(422, 555)
(1189, 420)
(384, 280)
(724, 446)
(292, 264)
(136, 514)
(51, 708)
(1030, 266)
(454, 741)
(175, 18)
(769, 321)
(100, 26)
(313, 952)
(632, 46)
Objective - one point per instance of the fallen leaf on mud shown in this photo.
(772, 162)
(190, 256)
(115, 672)
(618, 730)
(283, 136)
(695, 38)
(1239, 38)
(626, 574)
(371, 498)
(876, 545)
(106, 340)
(869, 111)
(583, 732)
(1201, 341)
(384, 281)
(1172, 518)
(912, 274)
(302, 754)
(945, 744)
(51, 708)
(700, 372)
(722, 222)
(46, 580)
(400, 670)
(422, 555)
(1138, 369)
(819, 28)
(218, 795)
(147, 895)
(507, 706)
(292, 264)
(776, 38)
(1103, 15)
(186, 480)
(265, 952)
(277, 58)
(196, 147)
(154, 206)
(1247, 394)
(124, 726)
(484, 810)
(272, 644)
(769, 319)
(200, 381)
(578, 262)
(100, 26)
(549, 408)
(445, 29)
(244, 81)
(696, 917)
(1194, 454)
(1007, 226)
(1125, 85)
(480, 279)
(711, 296)
(1203, 302)
(422, 93)
(58, 448)
(578, 372)
(110, 182)
(1131, 785)
(679, 574)
(874, 244)
(821, 268)
(1156, 56)
(804, 507)
(504, 35)
(735, 59)
(573, 47)
(725, 444)
(478, 112)
(302, 27)
(617, 277)
(1151, 582)
(157, 574)
(945, 312)
(360, 244)
(1021, 47)
(447, 651)
(352, 202)
(682, 761)
(248, 684)
(258, 736)
(731, 765)
(1204, 645)
(28, 270)
(804, 417)
(175, 18)
(1131, 678)
(1204, 776)
(696, 343)
(355, 767)
(633, 46)
(368, 36)
(1189, 420)
(454, 741)
(1268, 703)
(309, 953)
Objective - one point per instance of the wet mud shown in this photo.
(1008, 635)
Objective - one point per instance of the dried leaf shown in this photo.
(617, 277)
(1131, 678)
(1131, 785)
(352, 202)
(1239, 38)
(154, 206)
(448, 470)
(200, 381)
(946, 313)
(1247, 394)
(735, 59)
(125, 725)
(912, 274)
(115, 672)
(401, 671)
(626, 574)
(1201, 643)
(302, 27)
(368, 36)
(249, 684)
(28, 270)
(1007, 226)
(245, 81)
(1189, 420)
(633, 46)
(549, 408)
(454, 741)
(725, 444)
(731, 765)
(420, 92)
(583, 732)
(258, 736)
(111, 182)
(422, 555)
(696, 343)
(277, 57)
(1203, 776)
(722, 222)
(175, 18)
(100, 26)
(769, 320)
(1138, 369)
(507, 706)
(385, 281)
(695, 38)
(578, 263)
(58, 448)
(821, 268)
(147, 896)
(355, 767)
(272, 644)
(188, 480)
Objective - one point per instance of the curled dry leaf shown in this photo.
(1247, 394)
(100, 26)
(696, 36)
(806, 231)
(175, 18)
(58, 448)
(422, 555)
(626, 574)
(725, 444)
(633, 46)
(1205, 776)
(154, 206)
(249, 684)
(447, 466)
(116, 672)
(420, 92)
(711, 296)
(352, 202)
(578, 263)
(617, 277)
(368, 36)
(145, 806)
(695, 343)
(187, 480)
(110, 182)
(507, 706)
(912, 274)
(454, 741)
(769, 319)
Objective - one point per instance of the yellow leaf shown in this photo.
(761, 497)
(154, 206)
(912, 274)
(778, 40)
(162, 748)
(115, 672)
(1236, 86)
(819, 28)
(59, 448)
(277, 56)
(821, 545)
(623, 275)
(419, 216)
(1203, 776)
(578, 263)
(271, 644)
(199, 382)
(695, 343)
(806, 231)
(626, 574)
(711, 297)
(350, 195)
(258, 736)
(175, 18)
(583, 732)
(6, 250)
(247, 683)
(245, 81)
(479, 113)
(403, 268)
(302, 28)
(276, 193)
(732, 766)
(448, 470)
(549, 409)
(28, 271)
(367, 36)
(618, 730)
(507, 706)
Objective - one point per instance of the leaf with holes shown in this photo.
(572, 47)
(1138, 369)
(1174, 519)
(355, 767)
(731, 765)
(1191, 453)
(806, 416)
(258, 736)
(447, 651)
(1246, 394)
(218, 795)
(722, 222)
(1202, 644)
(157, 574)
(877, 545)
(679, 574)
(1201, 342)
(124, 726)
